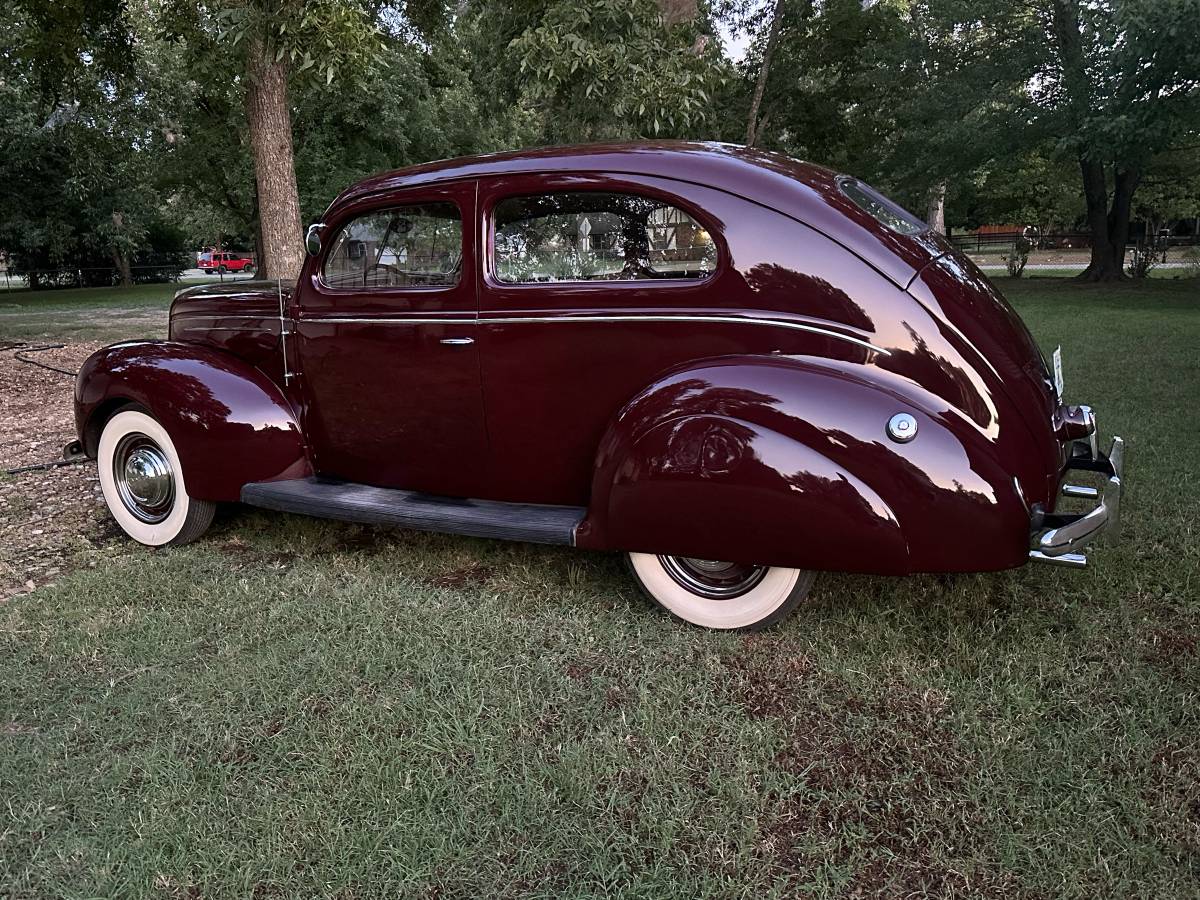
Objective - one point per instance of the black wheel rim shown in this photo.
(712, 578)
(143, 477)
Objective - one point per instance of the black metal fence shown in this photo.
(1001, 242)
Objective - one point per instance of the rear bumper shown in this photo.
(1062, 538)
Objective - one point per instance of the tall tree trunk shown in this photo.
(752, 126)
(120, 258)
(274, 165)
(121, 261)
(1109, 225)
(936, 216)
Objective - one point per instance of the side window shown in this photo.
(405, 246)
(597, 236)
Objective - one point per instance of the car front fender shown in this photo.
(786, 461)
(230, 424)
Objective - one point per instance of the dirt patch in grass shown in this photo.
(47, 517)
(469, 575)
(1174, 796)
(1172, 650)
(244, 555)
(876, 782)
(369, 540)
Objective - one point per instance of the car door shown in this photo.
(385, 328)
(585, 279)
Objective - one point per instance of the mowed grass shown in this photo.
(303, 708)
(82, 314)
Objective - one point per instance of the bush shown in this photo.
(1142, 260)
(1191, 262)
(1016, 259)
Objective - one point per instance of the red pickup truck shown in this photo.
(222, 262)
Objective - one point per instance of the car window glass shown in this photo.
(404, 246)
(886, 211)
(597, 236)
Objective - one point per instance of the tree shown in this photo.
(764, 71)
(284, 39)
(81, 142)
(1121, 82)
(608, 70)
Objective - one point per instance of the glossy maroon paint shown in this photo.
(230, 423)
(757, 438)
(384, 401)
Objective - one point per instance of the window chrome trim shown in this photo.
(631, 317)
(322, 258)
(564, 182)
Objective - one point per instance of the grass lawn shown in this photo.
(304, 708)
(106, 314)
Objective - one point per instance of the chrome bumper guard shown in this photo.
(1059, 538)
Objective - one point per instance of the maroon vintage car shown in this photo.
(736, 368)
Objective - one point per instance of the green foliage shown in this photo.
(84, 162)
(1191, 261)
(67, 43)
(1142, 260)
(606, 70)
(1142, 66)
(320, 38)
(148, 108)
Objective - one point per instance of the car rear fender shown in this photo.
(786, 461)
(230, 424)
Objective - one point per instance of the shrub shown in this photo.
(1016, 259)
(1191, 262)
(1142, 260)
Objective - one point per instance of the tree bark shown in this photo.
(274, 165)
(1109, 224)
(676, 11)
(119, 257)
(936, 216)
(121, 261)
(752, 126)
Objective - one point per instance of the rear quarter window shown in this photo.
(597, 236)
(879, 207)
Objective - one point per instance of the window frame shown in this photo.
(598, 183)
(381, 205)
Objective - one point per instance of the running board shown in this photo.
(368, 505)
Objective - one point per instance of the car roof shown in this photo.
(802, 190)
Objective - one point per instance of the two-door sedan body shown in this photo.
(735, 367)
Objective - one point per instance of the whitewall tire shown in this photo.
(720, 595)
(142, 482)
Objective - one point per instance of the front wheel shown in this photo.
(720, 595)
(143, 485)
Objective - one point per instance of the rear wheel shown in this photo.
(720, 595)
(142, 482)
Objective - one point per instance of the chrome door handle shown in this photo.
(457, 342)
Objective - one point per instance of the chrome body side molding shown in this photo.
(493, 319)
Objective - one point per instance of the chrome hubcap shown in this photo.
(712, 578)
(143, 478)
